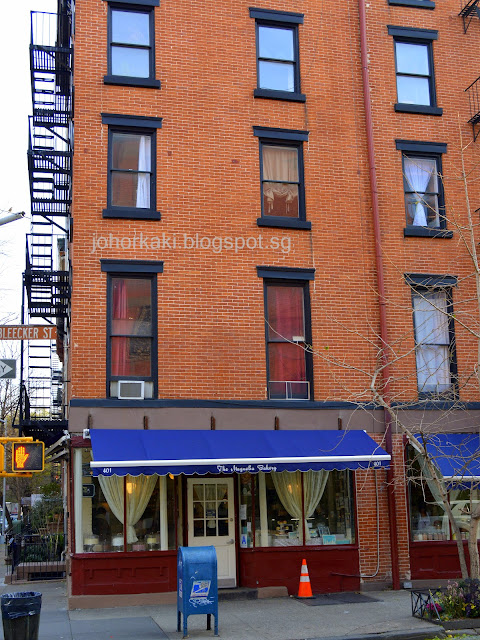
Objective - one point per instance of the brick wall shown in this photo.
(210, 325)
(371, 494)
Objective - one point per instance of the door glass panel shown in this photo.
(222, 491)
(198, 511)
(223, 509)
(198, 491)
(211, 508)
(211, 527)
(223, 527)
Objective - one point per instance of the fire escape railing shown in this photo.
(468, 11)
(473, 93)
(47, 279)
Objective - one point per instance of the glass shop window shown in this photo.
(463, 502)
(332, 519)
(148, 499)
(428, 520)
(284, 509)
(248, 510)
(101, 529)
(273, 512)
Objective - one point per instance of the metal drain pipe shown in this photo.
(392, 516)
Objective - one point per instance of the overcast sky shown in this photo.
(15, 105)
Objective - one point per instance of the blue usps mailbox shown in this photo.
(197, 588)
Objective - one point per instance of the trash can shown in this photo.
(21, 615)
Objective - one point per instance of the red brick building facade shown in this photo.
(261, 196)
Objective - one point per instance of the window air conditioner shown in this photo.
(131, 390)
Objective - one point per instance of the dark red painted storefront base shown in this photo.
(330, 568)
(156, 572)
(436, 560)
(115, 573)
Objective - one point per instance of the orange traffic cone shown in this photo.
(304, 588)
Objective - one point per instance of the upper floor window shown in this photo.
(418, 4)
(281, 177)
(131, 51)
(278, 72)
(288, 333)
(414, 70)
(434, 333)
(423, 188)
(132, 326)
(131, 167)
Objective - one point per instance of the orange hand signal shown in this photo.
(20, 457)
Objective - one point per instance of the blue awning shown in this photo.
(135, 452)
(457, 455)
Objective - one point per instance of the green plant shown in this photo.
(460, 600)
(45, 511)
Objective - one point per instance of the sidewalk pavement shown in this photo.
(383, 615)
(380, 615)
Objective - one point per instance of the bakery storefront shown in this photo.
(264, 499)
(433, 547)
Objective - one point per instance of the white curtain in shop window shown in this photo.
(279, 164)
(139, 491)
(289, 489)
(432, 337)
(143, 186)
(418, 172)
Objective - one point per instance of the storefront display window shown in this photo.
(332, 521)
(428, 520)
(146, 504)
(248, 509)
(463, 501)
(284, 518)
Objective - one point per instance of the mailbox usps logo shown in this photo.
(200, 589)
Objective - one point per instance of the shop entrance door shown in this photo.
(211, 521)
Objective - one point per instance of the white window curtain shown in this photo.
(139, 491)
(433, 340)
(418, 172)
(289, 489)
(143, 185)
(279, 164)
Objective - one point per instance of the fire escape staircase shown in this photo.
(469, 10)
(46, 278)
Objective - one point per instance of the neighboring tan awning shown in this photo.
(457, 455)
(135, 452)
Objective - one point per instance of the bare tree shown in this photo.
(421, 361)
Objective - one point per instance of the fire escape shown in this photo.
(46, 279)
(469, 10)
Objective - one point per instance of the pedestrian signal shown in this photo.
(28, 456)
